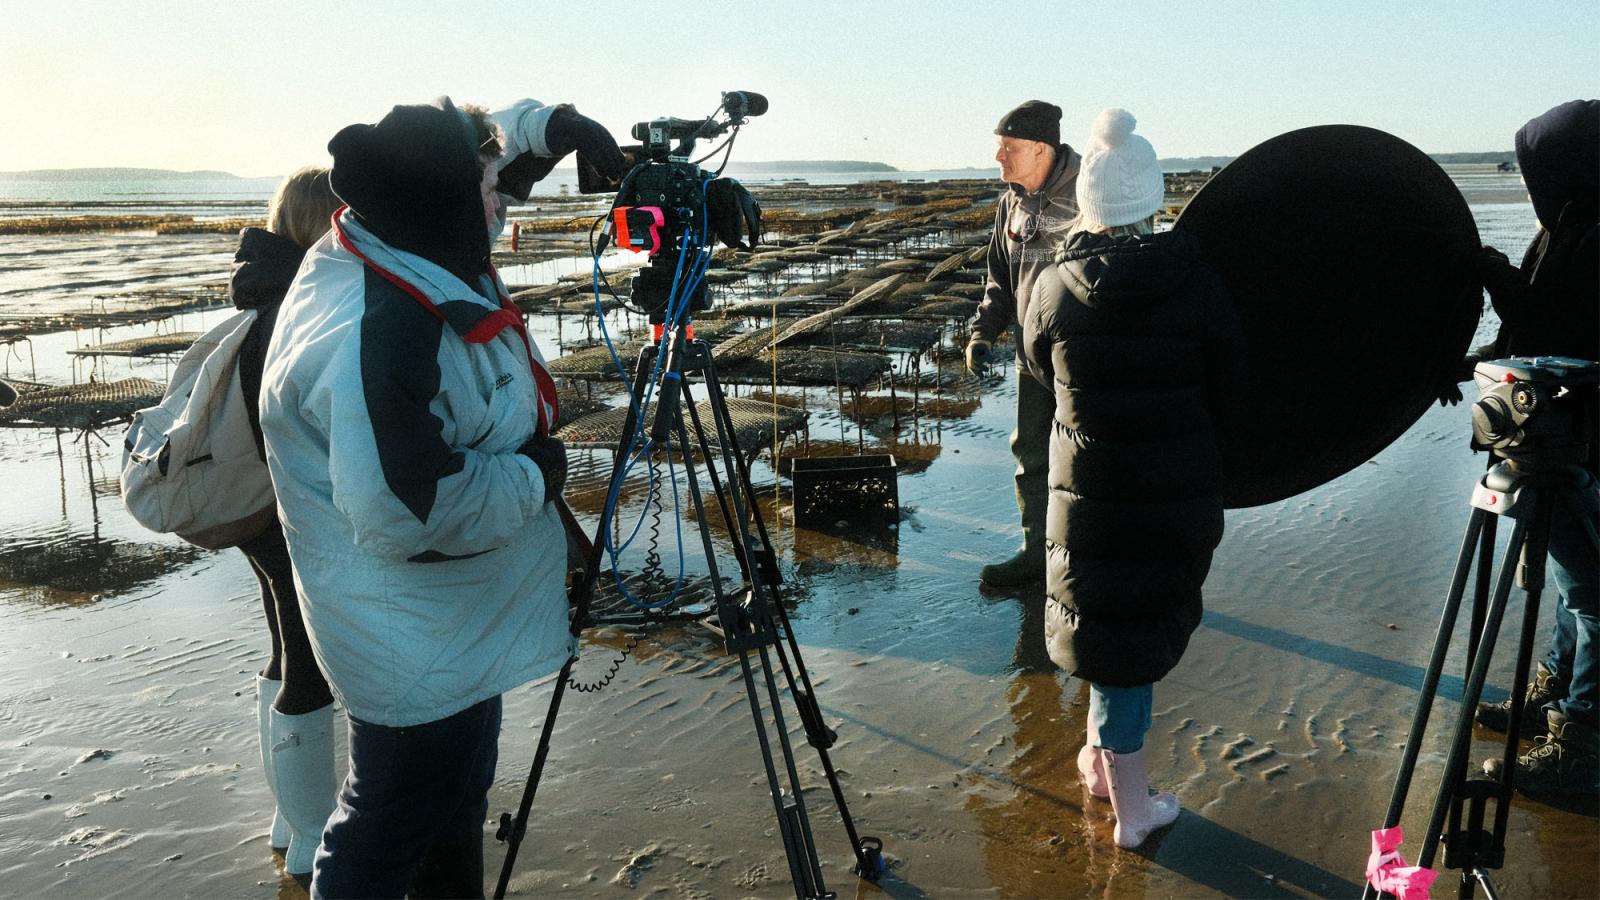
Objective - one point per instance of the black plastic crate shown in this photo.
(830, 488)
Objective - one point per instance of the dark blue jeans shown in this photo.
(411, 811)
(1574, 572)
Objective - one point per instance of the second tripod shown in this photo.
(1529, 495)
(752, 617)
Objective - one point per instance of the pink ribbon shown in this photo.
(1387, 870)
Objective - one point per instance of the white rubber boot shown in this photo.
(1138, 811)
(266, 692)
(1090, 766)
(302, 764)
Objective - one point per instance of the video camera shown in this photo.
(1533, 407)
(668, 206)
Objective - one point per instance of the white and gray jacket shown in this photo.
(393, 401)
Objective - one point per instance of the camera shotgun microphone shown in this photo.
(744, 104)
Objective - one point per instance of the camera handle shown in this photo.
(1528, 498)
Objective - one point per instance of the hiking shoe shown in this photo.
(1565, 760)
(1544, 688)
(1023, 569)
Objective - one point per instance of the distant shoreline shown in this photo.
(758, 167)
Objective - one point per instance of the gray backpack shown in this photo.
(190, 465)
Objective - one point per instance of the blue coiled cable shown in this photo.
(639, 444)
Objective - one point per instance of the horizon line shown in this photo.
(767, 162)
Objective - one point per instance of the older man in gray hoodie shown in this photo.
(1031, 221)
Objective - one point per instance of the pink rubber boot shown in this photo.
(1138, 811)
(1090, 766)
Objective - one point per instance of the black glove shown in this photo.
(550, 455)
(1449, 393)
(1449, 390)
(979, 350)
(734, 213)
(8, 394)
(1490, 262)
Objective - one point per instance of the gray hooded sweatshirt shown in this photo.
(1029, 227)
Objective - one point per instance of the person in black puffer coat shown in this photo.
(1136, 339)
(291, 687)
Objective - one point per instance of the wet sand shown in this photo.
(129, 763)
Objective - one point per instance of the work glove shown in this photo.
(734, 213)
(550, 455)
(979, 350)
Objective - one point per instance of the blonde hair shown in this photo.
(302, 209)
(1146, 225)
(485, 131)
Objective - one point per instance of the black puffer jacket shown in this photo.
(1138, 342)
(263, 268)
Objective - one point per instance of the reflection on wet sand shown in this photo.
(60, 565)
(1043, 834)
(1046, 836)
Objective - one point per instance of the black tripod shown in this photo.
(752, 617)
(1528, 493)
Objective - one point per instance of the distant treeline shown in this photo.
(117, 174)
(773, 167)
(784, 166)
(1205, 163)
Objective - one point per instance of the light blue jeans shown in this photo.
(1121, 715)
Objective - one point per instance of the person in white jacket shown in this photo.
(407, 417)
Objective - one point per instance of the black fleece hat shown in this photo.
(413, 180)
(1034, 120)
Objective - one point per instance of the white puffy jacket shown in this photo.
(393, 400)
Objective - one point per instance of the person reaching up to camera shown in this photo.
(409, 423)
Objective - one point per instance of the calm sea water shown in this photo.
(190, 196)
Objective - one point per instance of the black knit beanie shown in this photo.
(412, 179)
(1034, 120)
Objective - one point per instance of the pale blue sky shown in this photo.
(258, 88)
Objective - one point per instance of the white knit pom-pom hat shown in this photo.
(1119, 181)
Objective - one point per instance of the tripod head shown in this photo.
(1536, 411)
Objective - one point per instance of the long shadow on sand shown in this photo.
(1237, 866)
(1369, 664)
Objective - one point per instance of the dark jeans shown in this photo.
(411, 811)
(1573, 572)
(304, 689)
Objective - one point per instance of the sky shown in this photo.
(257, 88)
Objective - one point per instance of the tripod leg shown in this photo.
(641, 374)
(728, 519)
(1430, 680)
(686, 451)
(1455, 765)
(1531, 579)
(511, 830)
(869, 860)
(1480, 605)
(798, 845)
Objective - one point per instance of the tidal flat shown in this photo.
(129, 763)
